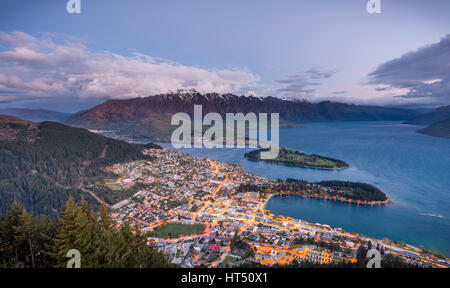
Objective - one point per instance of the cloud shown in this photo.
(425, 74)
(318, 73)
(58, 66)
(301, 85)
(379, 89)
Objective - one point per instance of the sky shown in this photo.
(313, 49)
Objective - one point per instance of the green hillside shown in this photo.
(297, 158)
(42, 164)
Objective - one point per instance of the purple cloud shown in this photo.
(299, 86)
(54, 66)
(425, 73)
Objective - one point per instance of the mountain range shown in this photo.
(439, 129)
(437, 115)
(35, 115)
(149, 117)
(438, 122)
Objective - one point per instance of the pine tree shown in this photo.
(26, 241)
(107, 242)
(25, 238)
(74, 232)
(12, 219)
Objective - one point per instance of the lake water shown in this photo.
(411, 168)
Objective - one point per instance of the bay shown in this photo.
(411, 168)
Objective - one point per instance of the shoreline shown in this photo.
(269, 196)
(334, 199)
(300, 166)
(267, 200)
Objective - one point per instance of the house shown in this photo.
(214, 247)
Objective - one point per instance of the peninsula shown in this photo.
(300, 159)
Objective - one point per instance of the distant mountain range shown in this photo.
(150, 116)
(35, 115)
(438, 122)
(438, 115)
(439, 129)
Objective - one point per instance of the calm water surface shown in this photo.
(411, 168)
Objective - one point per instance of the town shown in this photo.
(193, 211)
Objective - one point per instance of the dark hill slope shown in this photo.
(438, 115)
(44, 163)
(440, 129)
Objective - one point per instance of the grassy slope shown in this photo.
(177, 230)
(297, 158)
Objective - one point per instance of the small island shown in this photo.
(300, 159)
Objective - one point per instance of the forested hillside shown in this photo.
(42, 164)
(29, 242)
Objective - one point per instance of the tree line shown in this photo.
(27, 241)
(354, 190)
(41, 173)
(345, 189)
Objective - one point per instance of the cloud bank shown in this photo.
(62, 67)
(55, 66)
(425, 74)
(303, 85)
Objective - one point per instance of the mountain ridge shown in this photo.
(440, 114)
(130, 115)
(440, 129)
(35, 115)
(437, 122)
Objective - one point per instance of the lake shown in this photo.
(411, 168)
